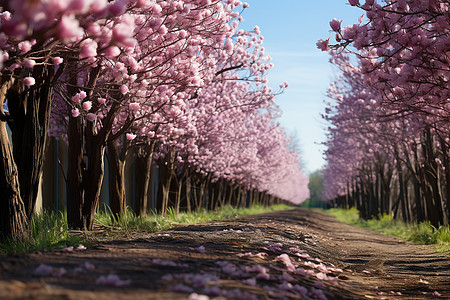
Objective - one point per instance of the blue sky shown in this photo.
(291, 29)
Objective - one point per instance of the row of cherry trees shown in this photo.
(389, 135)
(176, 82)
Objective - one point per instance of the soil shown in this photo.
(329, 259)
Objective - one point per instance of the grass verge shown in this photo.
(423, 233)
(49, 229)
(130, 222)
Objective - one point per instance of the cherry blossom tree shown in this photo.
(392, 109)
(34, 38)
(150, 60)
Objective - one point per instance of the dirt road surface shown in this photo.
(294, 254)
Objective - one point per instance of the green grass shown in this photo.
(130, 222)
(49, 229)
(423, 233)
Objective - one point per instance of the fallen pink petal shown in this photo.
(112, 280)
(43, 270)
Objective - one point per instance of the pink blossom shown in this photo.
(82, 95)
(134, 106)
(130, 136)
(67, 249)
(88, 266)
(161, 262)
(57, 60)
(245, 5)
(76, 98)
(81, 247)
(118, 7)
(112, 280)
(284, 258)
(353, 2)
(75, 112)
(69, 28)
(228, 45)
(261, 255)
(250, 281)
(58, 272)
(101, 100)
(122, 34)
(29, 63)
(200, 249)
(436, 294)
(112, 51)
(286, 277)
(87, 105)
(195, 296)
(181, 288)
(321, 276)
(335, 24)
(229, 269)
(91, 117)
(124, 89)
(43, 269)
(29, 81)
(89, 49)
(300, 272)
(305, 255)
(24, 47)
(5, 16)
(248, 254)
(323, 45)
(48, 270)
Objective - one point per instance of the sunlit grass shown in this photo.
(48, 230)
(423, 233)
(130, 222)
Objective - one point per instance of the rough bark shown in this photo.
(180, 182)
(144, 159)
(116, 163)
(13, 220)
(94, 179)
(167, 172)
(188, 192)
(29, 110)
(76, 166)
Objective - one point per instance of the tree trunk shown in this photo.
(167, 174)
(230, 189)
(30, 114)
(116, 162)
(180, 191)
(446, 164)
(204, 181)
(188, 192)
(220, 194)
(432, 178)
(94, 179)
(13, 220)
(195, 193)
(85, 177)
(144, 159)
(75, 170)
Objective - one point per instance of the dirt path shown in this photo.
(296, 254)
